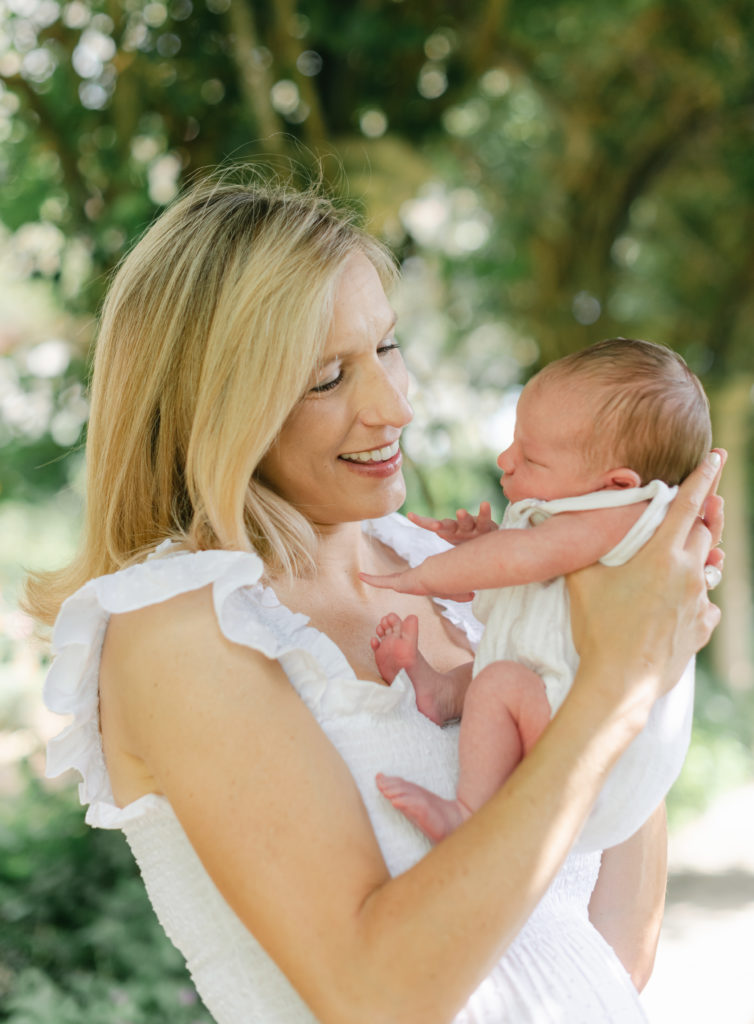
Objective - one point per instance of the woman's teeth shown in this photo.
(375, 455)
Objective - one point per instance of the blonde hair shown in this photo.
(209, 335)
(650, 412)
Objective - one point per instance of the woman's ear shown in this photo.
(620, 479)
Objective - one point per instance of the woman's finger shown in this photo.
(699, 541)
(713, 515)
(687, 505)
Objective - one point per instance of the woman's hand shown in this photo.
(712, 514)
(464, 527)
(643, 621)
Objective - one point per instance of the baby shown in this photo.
(601, 439)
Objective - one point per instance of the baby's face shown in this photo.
(547, 458)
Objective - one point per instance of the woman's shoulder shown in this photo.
(162, 602)
(162, 626)
(165, 588)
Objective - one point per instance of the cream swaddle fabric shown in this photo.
(531, 624)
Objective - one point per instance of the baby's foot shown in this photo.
(433, 815)
(396, 645)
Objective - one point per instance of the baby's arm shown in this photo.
(506, 558)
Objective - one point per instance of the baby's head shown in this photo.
(618, 414)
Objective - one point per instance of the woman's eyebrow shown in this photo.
(344, 353)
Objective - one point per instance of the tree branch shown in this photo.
(485, 36)
(254, 80)
(75, 183)
(313, 127)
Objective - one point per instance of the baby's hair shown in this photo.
(650, 413)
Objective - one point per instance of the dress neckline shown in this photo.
(413, 550)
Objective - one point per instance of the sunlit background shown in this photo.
(548, 172)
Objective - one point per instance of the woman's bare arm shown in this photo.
(629, 898)
(256, 784)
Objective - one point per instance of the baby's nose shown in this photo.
(505, 460)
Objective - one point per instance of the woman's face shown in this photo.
(337, 457)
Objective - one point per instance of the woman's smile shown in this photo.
(374, 455)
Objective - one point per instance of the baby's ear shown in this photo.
(620, 479)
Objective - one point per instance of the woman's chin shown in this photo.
(386, 504)
(387, 498)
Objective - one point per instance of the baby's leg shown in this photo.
(396, 646)
(505, 711)
(435, 816)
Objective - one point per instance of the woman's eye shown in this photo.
(389, 346)
(327, 385)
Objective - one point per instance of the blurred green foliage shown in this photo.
(79, 943)
(720, 756)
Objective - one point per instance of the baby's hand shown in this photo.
(464, 527)
(409, 582)
(406, 582)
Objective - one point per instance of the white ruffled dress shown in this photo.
(558, 971)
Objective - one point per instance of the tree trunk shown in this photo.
(731, 648)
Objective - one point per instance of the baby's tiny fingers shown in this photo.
(465, 520)
(426, 522)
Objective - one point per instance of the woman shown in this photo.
(243, 467)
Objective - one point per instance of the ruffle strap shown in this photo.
(72, 683)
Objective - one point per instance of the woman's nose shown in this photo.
(384, 400)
